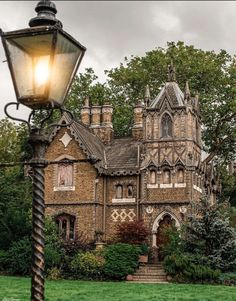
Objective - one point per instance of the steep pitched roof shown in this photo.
(122, 156)
(172, 92)
(91, 145)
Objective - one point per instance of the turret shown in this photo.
(137, 130)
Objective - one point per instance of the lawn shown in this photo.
(17, 289)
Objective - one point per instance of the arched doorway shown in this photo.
(162, 223)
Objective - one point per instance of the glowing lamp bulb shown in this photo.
(41, 72)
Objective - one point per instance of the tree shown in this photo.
(15, 189)
(12, 141)
(209, 234)
(15, 206)
(210, 74)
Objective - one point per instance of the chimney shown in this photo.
(107, 127)
(95, 117)
(101, 122)
(137, 130)
(85, 112)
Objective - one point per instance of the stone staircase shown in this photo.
(149, 273)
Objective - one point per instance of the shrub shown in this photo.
(132, 232)
(228, 278)
(18, 259)
(3, 260)
(52, 257)
(190, 268)
(88, 265)
(54, 274)
(120, 260)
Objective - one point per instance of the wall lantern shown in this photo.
(43, 59)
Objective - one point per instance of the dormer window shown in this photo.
(166, 126)
(119, 192)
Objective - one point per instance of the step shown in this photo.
(149, 281)
(137, 273)
(149, 277)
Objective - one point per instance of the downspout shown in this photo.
(104, 205)
(138, 184)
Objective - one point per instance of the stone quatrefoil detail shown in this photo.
(123, 215)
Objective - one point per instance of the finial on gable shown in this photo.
(86, 101)
(187, 91)
(147, 96)
(171, 72)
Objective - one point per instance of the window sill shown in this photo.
(166, 185)
(197, 188)
(152, 185)
(180, 185)
(126, 200)
(64, 188)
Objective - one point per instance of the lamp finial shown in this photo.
(46, 14)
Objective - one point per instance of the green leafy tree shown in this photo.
(210, 74)
(209, 234)
(15, 206)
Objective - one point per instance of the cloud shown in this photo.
(112, 30)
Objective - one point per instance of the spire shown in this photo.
(147, 96)
(187, 92)
(46, 15)
(171, 72)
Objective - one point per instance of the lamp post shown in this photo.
(43, 60)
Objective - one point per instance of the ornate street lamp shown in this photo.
(43, 61)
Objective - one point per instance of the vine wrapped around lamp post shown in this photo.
(43, 60)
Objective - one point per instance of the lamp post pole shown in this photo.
(39, 143)
(43, 61)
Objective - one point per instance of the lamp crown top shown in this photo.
(46, 14)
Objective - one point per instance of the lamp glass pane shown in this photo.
(30, 57)
(67, 55)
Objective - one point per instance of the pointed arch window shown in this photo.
(130, 191)
(153, 177)
(66, 226)
(166, 126)
(180, 175)
(119, 191)
(166, 176)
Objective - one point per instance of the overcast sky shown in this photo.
(113, 29)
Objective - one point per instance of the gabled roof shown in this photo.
(121, 157)
(91, 145)
(172, 92)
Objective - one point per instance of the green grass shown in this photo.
(18, 289)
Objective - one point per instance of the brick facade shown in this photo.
(156, 172)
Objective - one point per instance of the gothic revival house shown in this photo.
(156, 175)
